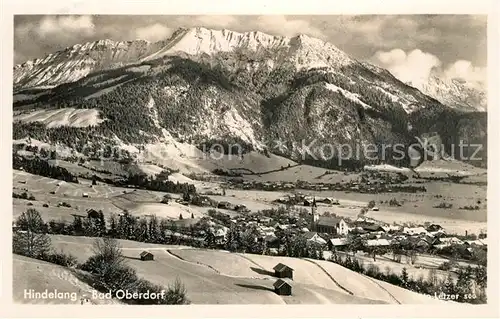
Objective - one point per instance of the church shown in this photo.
(329, 225)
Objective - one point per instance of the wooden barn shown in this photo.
(283, 271)
(282, 287)
(146, 255)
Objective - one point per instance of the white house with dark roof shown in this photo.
(315, 238)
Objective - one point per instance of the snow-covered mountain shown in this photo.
(79, 60)
(219, 86)
(455, 93)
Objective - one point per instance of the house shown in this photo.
(447, 241)
(241, 208)
(265, 220)
(331, 201)
(92, 213)
(220, 234)
(282, 287)
(381, 242)
(484, 241)
(434, 228)
(474, 242)
(225, 205)
(146, 255)
(372, 228)
(283, 271)
(315, 238)
(391, 228)
(331, 225)
(414, 230)
(438, 233)
(337, 243)
(85, 195)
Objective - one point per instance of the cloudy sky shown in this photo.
(412, 47)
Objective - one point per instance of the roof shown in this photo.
(378, 242)
(280, 282)
(338, 241)
(310, 234)
(434, 227)
(475, 242)
(329, 221)
(415, 230)
(281, 267)
(373, 227)
(453, 240)
(145, 253)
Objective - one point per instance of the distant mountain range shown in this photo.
(456, 93)
(203, 86)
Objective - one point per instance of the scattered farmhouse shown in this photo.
(146, 255)
(283, 271)
(282, 287)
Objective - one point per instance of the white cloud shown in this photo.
(415, 66)
(281, 25)
(154, 32)
(463, 69)
(48, 26)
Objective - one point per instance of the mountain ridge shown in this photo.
(251, 89)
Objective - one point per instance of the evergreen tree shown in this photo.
(113, 226)
(449, 285)
(404, 277)
(102, 224)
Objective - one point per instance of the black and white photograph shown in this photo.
(250, 159)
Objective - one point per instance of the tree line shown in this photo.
(105, 270)
(41, 167)
(470, 285)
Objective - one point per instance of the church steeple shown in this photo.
(314, 213)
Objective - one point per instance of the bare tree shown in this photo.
(108, 261)
(109, 249)
(176, 293)
(433, 278)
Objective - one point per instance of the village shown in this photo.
(325, 237)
